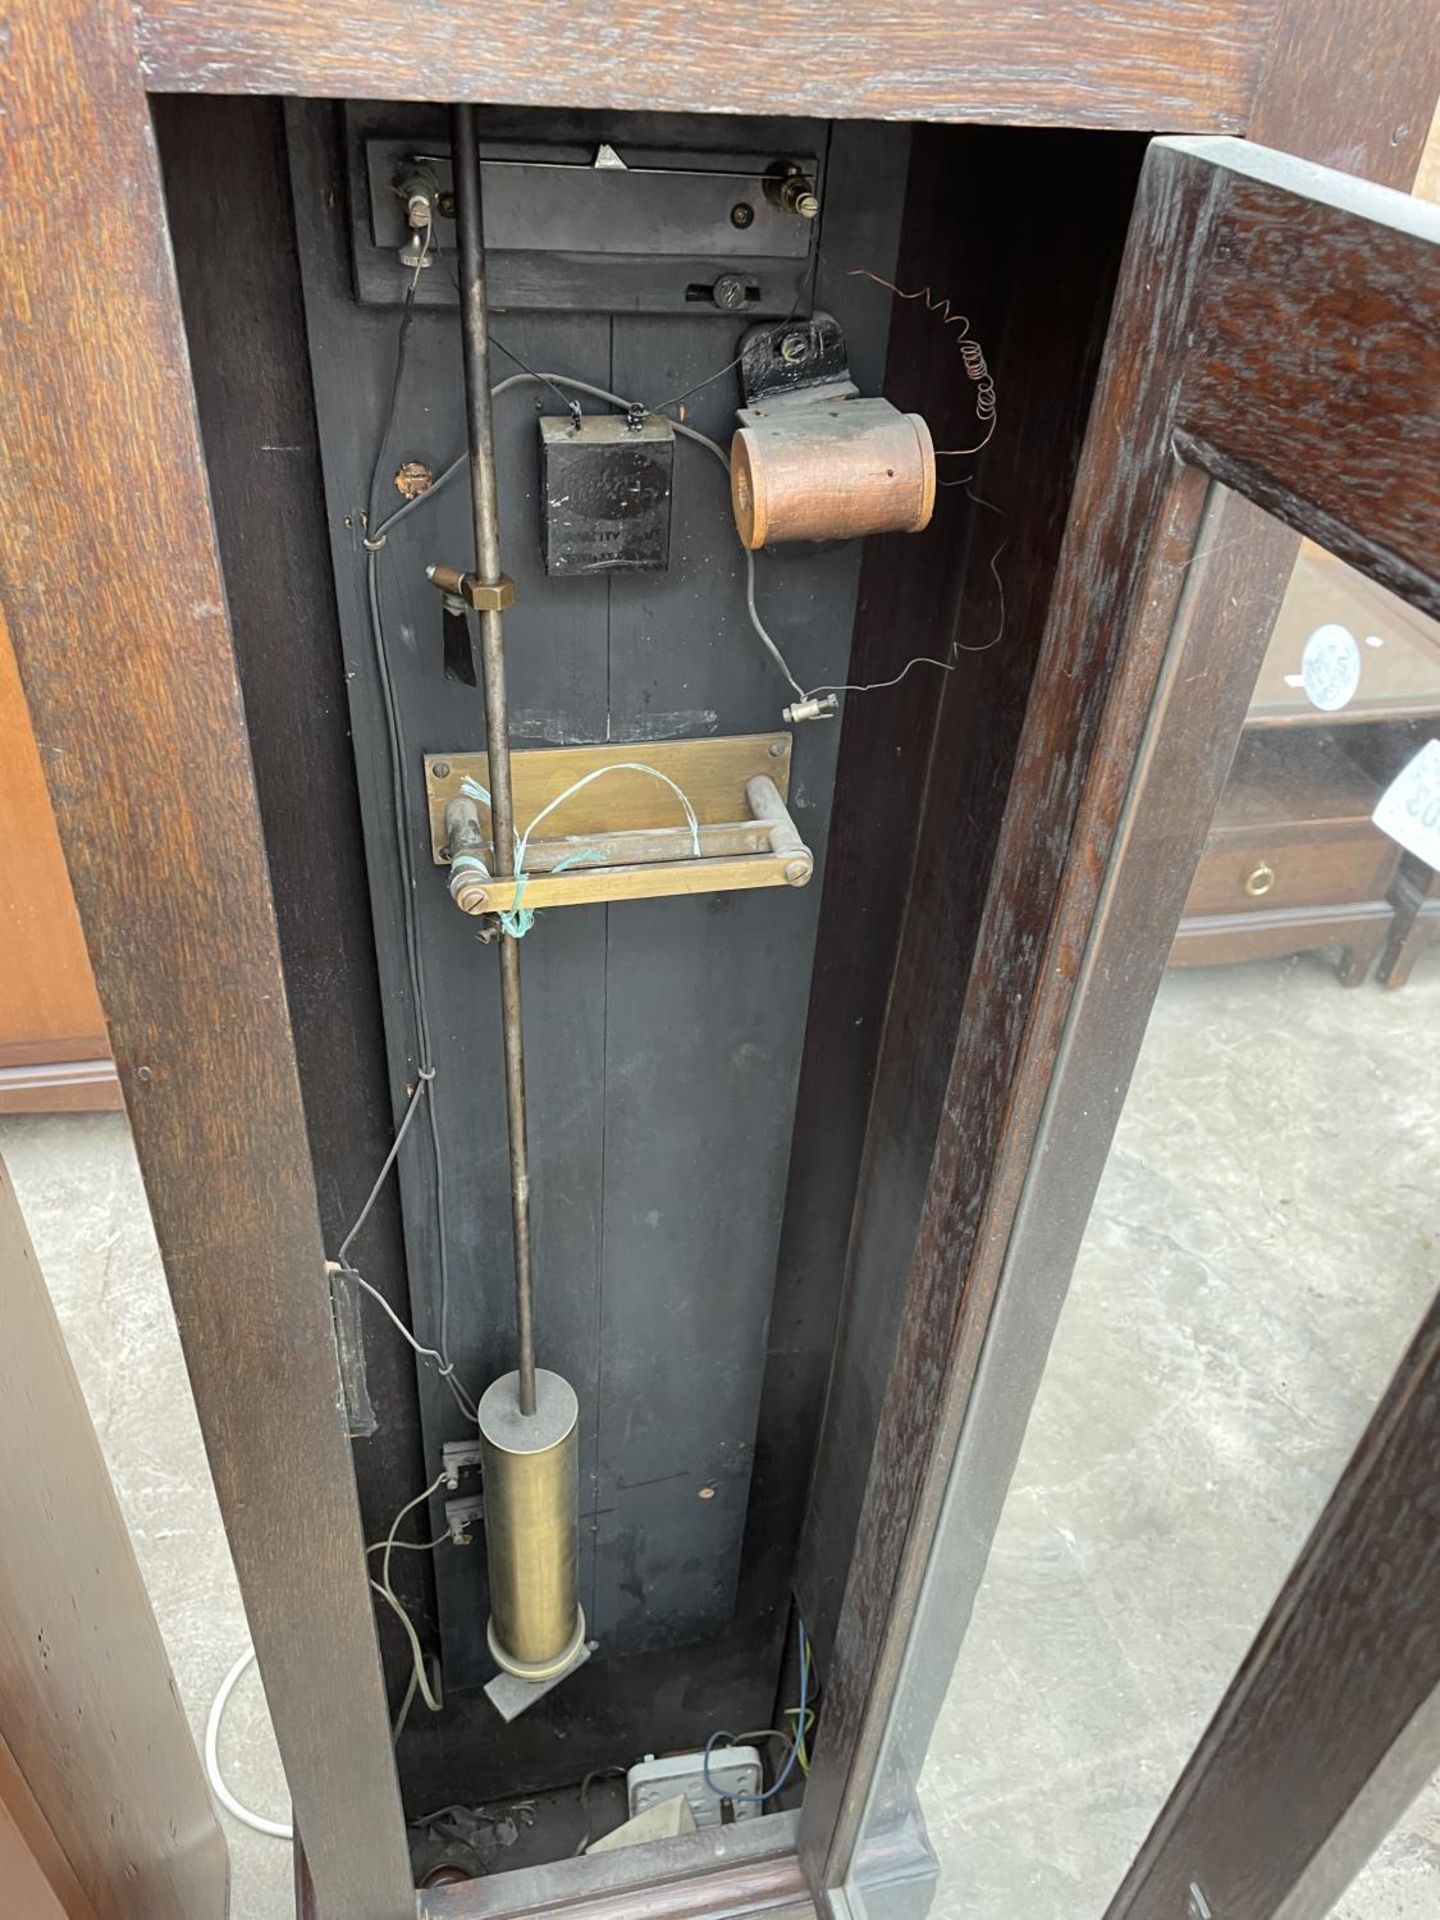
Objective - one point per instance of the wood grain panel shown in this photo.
(1126, 500)
(27, 1889)
(1128, 542)
(117, 612)
(749, 1867)
(28, 1847)
(49, 1009)
(1129, 63)
(226, 172)
(88, 1709)
(1042, 315)
(1350, 85)
(1280, 369)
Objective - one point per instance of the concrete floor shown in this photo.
(1263, 1244)
(1261, 1249)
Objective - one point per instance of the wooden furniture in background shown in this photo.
(1293, 863)
(54, 1054)
(1415, 919)
(103, 1803)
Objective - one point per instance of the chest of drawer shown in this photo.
(1295, 868)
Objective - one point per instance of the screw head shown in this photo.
(742, 214)
(728, 292)
(413, 479)
(445, 206)
(440, 768)
(794, 348)
(776, 749)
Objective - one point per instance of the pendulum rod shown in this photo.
(475, 336)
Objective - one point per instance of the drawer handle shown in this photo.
(1259, 883)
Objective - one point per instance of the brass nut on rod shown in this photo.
(474, 592)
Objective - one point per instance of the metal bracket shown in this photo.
(465, 1519)
(624, 838)
(797, 358)
(510, 1696)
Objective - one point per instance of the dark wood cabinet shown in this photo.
(243, 852)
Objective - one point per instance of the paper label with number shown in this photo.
(1409, 809)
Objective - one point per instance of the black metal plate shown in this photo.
(565, 235)
(605, 494)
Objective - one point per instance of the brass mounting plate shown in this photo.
(712, 773)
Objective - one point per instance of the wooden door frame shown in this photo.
(1232, 352)
(111, 582)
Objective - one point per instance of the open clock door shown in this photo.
(1145, 1614)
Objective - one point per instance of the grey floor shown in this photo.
(1262, 1246)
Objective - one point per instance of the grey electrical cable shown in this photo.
(382, 1586)
(424, 1076)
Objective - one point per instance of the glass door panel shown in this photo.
(1264, 1239)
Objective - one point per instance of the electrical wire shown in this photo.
(971, 355)
(445, 1368)
(279, 1829)
(374, 540)
(718, 453)
(768, 1793)
(276, 1829)
(595, 1773)
(383, 1587)
(380, 530)
(421, 1081)
(804, 1718)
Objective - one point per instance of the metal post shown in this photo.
(475, 334)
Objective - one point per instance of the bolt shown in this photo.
(741, 214)
(794, 348)
(440, 768)
(413, 479)
(728, 292)
(798, 196)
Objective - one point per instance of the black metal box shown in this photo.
(605, 494)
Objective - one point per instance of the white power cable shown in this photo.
(277, 1829)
